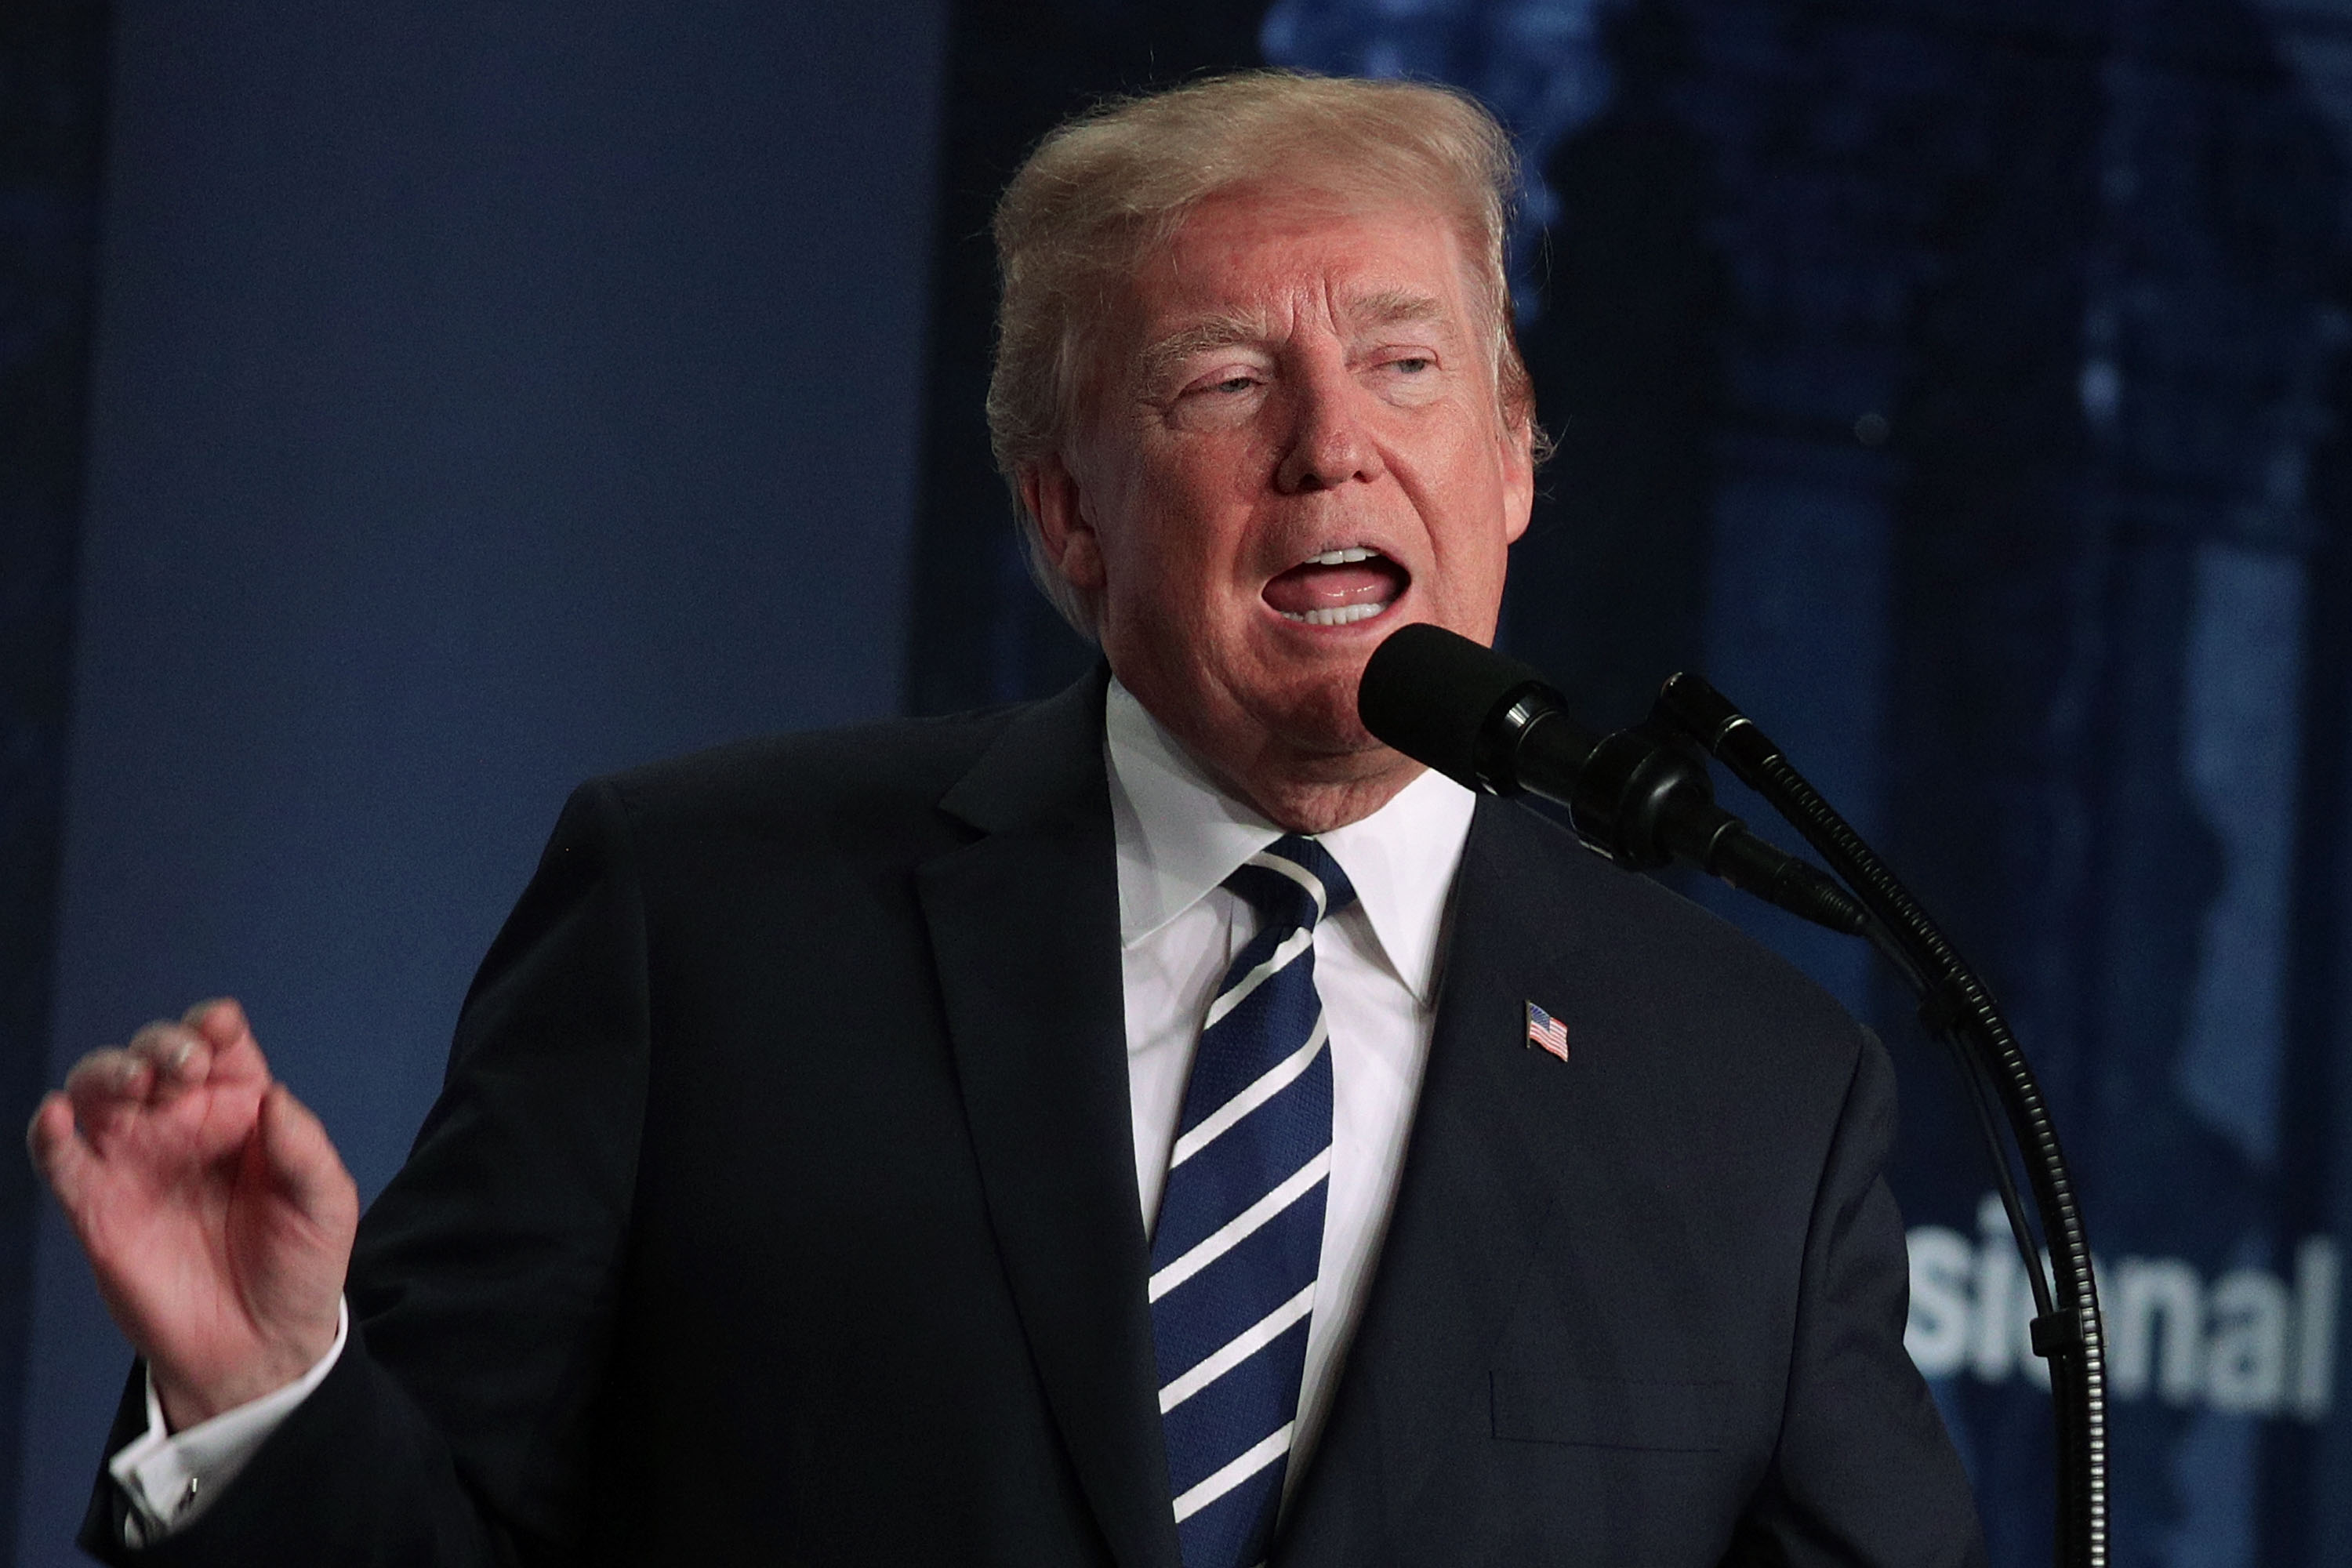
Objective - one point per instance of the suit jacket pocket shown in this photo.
(1611, 1412)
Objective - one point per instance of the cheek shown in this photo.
(1478, 508)
(1191, 519)
(1157, 579)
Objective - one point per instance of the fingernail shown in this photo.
(177, 1056)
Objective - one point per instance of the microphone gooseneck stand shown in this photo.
(1640, 797)
(1956, 1004)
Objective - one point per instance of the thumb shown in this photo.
(59, 1152)
(301, 1160)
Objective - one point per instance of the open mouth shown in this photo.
(1337, 588)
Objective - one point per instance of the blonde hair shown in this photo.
(1103, 190)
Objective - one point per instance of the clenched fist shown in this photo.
(213, 1209)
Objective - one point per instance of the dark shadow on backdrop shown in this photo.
(979, 632)
(1607, 590)
(52, 104)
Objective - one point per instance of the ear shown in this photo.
(1050, 493)
(1518, 476)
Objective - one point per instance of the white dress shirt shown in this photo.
(1178, 838)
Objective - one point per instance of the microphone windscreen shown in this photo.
(1429, 693)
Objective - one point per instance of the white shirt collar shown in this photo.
(1179, 836)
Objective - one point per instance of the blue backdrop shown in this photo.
(480, 402)
(483, 397)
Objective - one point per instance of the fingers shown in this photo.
(57, 1151)
(221, 1023)
(106, 1083)
(302, 1162)
(213, 1043)
(178, 1057)
(212, 1047)
(161, 1061)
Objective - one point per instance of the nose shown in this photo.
(1328, 444)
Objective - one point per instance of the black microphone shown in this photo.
(1640, 796)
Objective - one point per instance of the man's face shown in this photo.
(1292, 447)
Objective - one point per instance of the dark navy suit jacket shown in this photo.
(780, 1208)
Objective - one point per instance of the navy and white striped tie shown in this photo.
(1240, 1238)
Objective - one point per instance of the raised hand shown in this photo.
(212, 1206)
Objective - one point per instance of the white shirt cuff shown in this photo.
(171, 1477)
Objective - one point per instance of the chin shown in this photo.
(1317, 716)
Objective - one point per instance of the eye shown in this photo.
(1221, 381)
(1408, 377)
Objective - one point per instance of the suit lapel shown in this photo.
(1024, 930)
(1493, 1131)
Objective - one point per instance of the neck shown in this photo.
(1312, 794)
(1333, 775)
(1313, 807)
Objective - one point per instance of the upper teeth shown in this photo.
(1341, 557)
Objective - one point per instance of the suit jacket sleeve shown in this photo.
(1864, 1472)
(456, 1430)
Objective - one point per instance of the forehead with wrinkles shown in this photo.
(1314, 264)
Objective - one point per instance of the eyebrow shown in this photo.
(1382, 308)
(1396, 307)
(1202, 337)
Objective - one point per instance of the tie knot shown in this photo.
(1293, 881)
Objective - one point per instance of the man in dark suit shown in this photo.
(1488, 1205)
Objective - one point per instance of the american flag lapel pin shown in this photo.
(1546, 1031)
